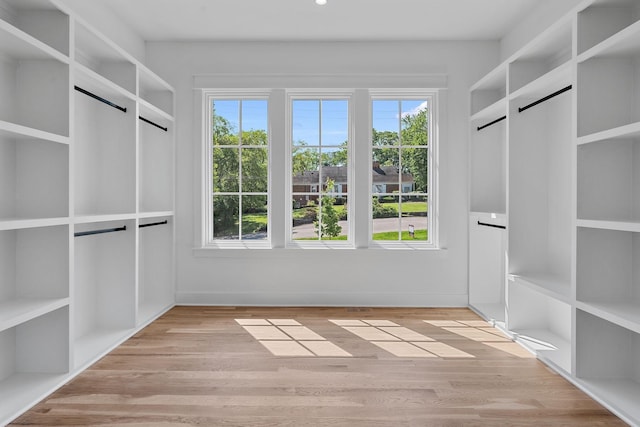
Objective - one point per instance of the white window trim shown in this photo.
(291, 95)
(207, 242)
(432, 218)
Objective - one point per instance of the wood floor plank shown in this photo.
(208, 366)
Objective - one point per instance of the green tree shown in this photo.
(327, 225)
(415, 160)
(304, 159)
(337, 157)
(385, 148)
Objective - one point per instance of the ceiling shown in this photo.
(238, 20)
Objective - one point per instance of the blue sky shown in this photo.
(306, 117)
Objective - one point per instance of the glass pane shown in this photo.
(332, 217)
(386, 116)
(414, 218)
(414, 123)
(305, 170)
(226, 123)
(335, 122)
(384, 170)
(225, 170)
(254, 122)
(305, 120)
(255, 163)
(225, 217)
(415, 163)
(254, 217)
(335, 156)
(385, 217)
(305, 213)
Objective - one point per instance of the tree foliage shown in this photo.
(227, 163)
(327, 225)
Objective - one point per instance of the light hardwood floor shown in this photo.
(206, 366)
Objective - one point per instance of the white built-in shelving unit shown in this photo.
(570, 186)
(72, 164)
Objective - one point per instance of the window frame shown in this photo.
(208, 241)
(319, 94)
(430, 95)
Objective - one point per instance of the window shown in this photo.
(319, 168)
(314, 168)
(401, 168)
(238, 148)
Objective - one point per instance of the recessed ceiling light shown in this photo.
(321, 2)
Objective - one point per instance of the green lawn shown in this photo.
(408, 207)
(420, 235)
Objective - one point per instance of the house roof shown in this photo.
(381, 175)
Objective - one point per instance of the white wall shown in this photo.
(359, 277)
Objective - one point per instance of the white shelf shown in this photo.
(622, 313)
(21, 391)
(155, 92)
(621, 133)
(621, 396)
(489, 90)
(546, 284)
(19, 132)
(89, 219)
(556, 79)
(150, 311)
(101, 55)
(546, 345)
(631, 226)
(607, 364)
(157, 214)
(549, 51)
(15, 42)
(490, 113)
(23, 223)
(21, 310)
(92, 81)
(91, 346)
(623, 43)
(150, 111)
(492, 312)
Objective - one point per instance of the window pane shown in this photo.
(415, 162)
(335, 122)
(414, 218)
(335, 156)
(414, 123)
(254, 122)
(384, 170)
(226, 122)
(332, 217)
(385, 217)
(386, 122)
(306, 170)
(305, 213)
(306, 122)
(255, 162)
(225, 170)
(225, 217)
(254, 217)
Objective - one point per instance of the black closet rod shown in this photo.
(104, 230)
(492, 225)
(152, 123)
(492, 123)
(546, 98)
(101, 99)
(153, 223)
